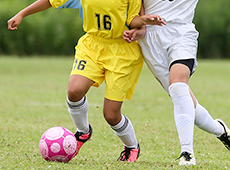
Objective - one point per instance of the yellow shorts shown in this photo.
(114, 60)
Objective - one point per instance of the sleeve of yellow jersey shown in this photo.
(57, 3)
(133, 10)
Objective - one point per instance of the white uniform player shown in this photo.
(175, 41)
(170, 53)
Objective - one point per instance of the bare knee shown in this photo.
(112, 118)
(78, 87)
(112, 111)
(75, 94)
(179, 73)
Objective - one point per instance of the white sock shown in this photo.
(204, 121)
(79, 114)
(184, 114)
(125, 131)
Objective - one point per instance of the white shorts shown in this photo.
(163, 45)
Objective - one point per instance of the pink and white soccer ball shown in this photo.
(58, 144)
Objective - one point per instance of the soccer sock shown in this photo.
(79, 114)
(184, 114)
(204, 121)
(125, 131)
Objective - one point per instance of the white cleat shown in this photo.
(187, 159)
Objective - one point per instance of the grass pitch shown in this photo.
(33, 99)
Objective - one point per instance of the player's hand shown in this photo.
(14, 22)
(152, 20)
(127, 35)
(134, 34)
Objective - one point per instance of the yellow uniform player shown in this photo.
(102, 55)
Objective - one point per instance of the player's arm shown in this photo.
(139, 25)
(139, 21)
(39, 5)
(135, 34)
(140, 32)
(141, 13)
(142, 19)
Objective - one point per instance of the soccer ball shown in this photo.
(58, 144)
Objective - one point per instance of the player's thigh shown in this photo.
(122, 75)
(85, 62)
(156, 60)
(184, 47)
(161, 73)
(120, 86)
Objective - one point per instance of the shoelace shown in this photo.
(186, 155)
(78, 136)
(125, 153)
(225, 139)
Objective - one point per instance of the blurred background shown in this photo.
(56, 32)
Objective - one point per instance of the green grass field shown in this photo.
(33, 99)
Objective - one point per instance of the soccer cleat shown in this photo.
(82, 138)
(187, 159)
(129, 154)
(225, 137)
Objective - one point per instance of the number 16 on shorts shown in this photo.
(80, 65)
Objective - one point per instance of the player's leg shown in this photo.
(123, 128)
(157, 61)
(77, 101)
(204, 121)
(121, 77)
(184, 112)
(182, 60)
(85, 73)
(78, 107)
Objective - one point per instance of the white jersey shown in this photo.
(177, 11)
(177, 40)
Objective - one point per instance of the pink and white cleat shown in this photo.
(129, 154)
(82, 138)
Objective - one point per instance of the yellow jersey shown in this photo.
(103, 18)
